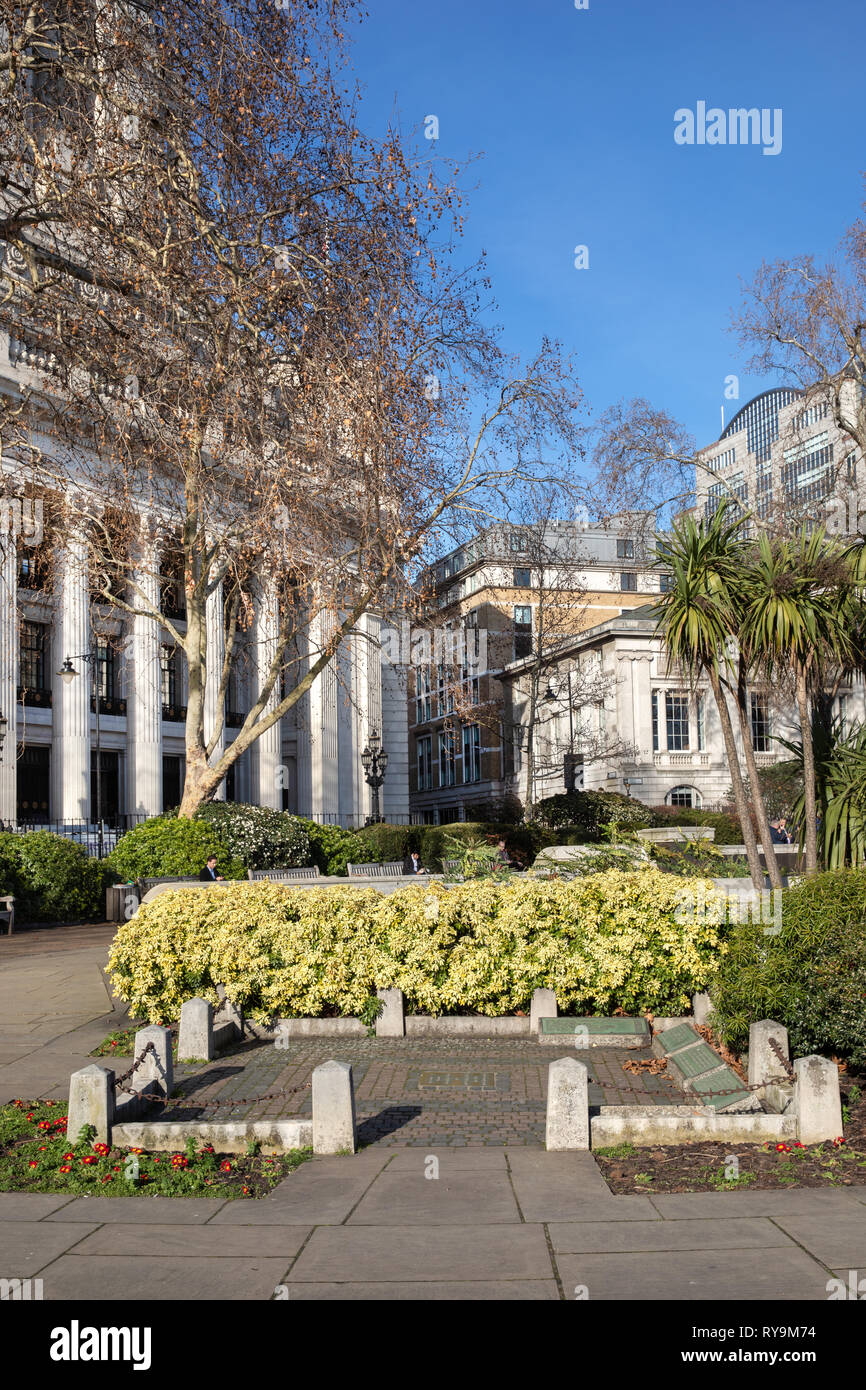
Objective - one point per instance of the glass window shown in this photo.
(447, 759)
(517, 542)
(683, 796)
(699, 703)
(666, 583)
(655, 721)
(106, 670)
(472, 753)
(425, 763)
(677, 721)
(34, 656)
(628, 583)
(760, 719)
(522, 631)
(522, 578)
(625, 550)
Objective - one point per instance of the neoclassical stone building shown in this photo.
(120, 717)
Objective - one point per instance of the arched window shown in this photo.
(684, 796)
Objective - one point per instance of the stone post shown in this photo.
(543, 1006)
(701, 1007)
(144, 694)
(334, 1128)
(91, 1102)
(567, 1105)
(763, 1063)
(391, 1022)
(819, 1106)
(195, 1037)
(156, 1073)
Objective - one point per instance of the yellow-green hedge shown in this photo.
(601, 942)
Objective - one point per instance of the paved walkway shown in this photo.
(487, 1220)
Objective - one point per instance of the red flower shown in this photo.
(89, 1158)
(225, 1166)
(69, 1155)
(30, 1116)
(66, 1168)
(42, 1148)
(101, 1149)
(108, 1177)
(246, 1191)
(837, 1142)
(783, 1148)
(116, 1169)
(34, 1163)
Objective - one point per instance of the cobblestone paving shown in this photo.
(437, 1091)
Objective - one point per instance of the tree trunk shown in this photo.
(742, 804)
(757, 793)
(199, 786)
(810, 799)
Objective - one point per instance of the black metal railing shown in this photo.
(175, 714)
(36, 699)
(108, 704)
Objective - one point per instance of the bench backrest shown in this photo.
(147, 883)
(451, 866)
(278, 875)
(391, 870)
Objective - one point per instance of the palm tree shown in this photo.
(800, 618)
(697, 617)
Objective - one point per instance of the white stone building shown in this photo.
(309, 763)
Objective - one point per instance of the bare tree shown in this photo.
(250, 342)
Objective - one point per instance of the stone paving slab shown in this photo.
(401, 1254)
(214, 1242)
(695, 1276)
(836, 1238)
(398, 1199)
(481, 1159)
(616, 1237)
(322, 1192)
(804, 1201)
(30, 1206)
(190, 1211)
(447, 1290)
(28, 1246)
(121, 1278)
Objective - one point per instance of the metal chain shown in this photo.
(220, 1100)
(149, 1047)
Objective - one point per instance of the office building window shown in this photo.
(683, 796)
(625, 550)
(424, 699)
(106, 670)
(655, 721)
(447, 759)
(34, 656)
(666, 583)
(472, 753)
(677, 721)
(628, 583)
(34, 785)
(168, 676)
(522, 630)
(700, 710)
(425, 763)
(518, 542)
(522, 578)
(760, 724)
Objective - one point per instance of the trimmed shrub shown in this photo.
(52, 878)
(166, 846)
(590, 811)
(811, 976)
(728, 829)
(606, 941)
(259, 836)
(383, 843)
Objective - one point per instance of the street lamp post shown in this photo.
(69, 673)
(374, 761)
(4, 725)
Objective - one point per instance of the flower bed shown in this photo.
(36, 1155)
(608, 941)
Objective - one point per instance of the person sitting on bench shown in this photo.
(209, 873)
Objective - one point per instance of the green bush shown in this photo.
(165, 846)
(811, 976)
(385, 843)
(589, 811)
(52, 878)
(259, 836)
(602, 942)
(728, 829)
(521, 841)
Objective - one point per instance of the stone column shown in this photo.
(267, 787)
(216, 650)
(324, 747)
(70, 754)
(8, 664)
(144, 695)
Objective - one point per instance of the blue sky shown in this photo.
(573, 112)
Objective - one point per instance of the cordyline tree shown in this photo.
(257, 364)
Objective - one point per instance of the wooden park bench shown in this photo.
(394, 869)
(145, 884)
(7, 913)
(282, 875)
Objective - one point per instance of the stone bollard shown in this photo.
(391, 1022)
(156, 1073)
(91, 1102)
(334, 1128)
(543, 1006)
(701, 1007)
(195, 1037)
(229, 1012)
(819, 1106)
(763, 1063)
(567, 1105)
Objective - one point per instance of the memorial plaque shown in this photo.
(681, 1036)
(618, 1027)
(694, 1061)
(726, 1081)
(450, 1080)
